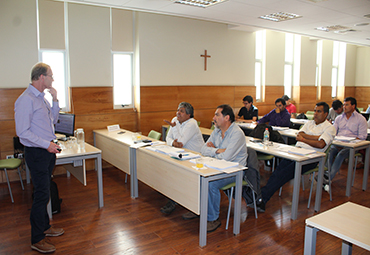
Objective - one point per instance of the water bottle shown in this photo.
(80, 136)
(266, 137)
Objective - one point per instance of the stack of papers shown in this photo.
(184, 156)
(301, 151)
(344, 138)
(280, 128)
(166, 149)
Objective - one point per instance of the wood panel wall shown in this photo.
(93, 107)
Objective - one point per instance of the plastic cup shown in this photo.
(199, 163)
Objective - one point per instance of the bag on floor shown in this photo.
(54, 198)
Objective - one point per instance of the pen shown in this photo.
(180, 155)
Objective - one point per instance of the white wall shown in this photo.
(363, 66)
(18, 42)
(275, 58)
(170, 49)
(308, 61)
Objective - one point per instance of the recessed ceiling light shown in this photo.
(280, 16)
(199, 3)
(361, 24)
(332, 28)
(316, 1)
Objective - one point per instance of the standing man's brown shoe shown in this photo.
(54, 232)
(43, 247)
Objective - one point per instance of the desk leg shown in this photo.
(350, 170)
(366, 169)
(346, 248)
(238, 200)
(319, 184)
(297, 185)
(133, 174)
(99, 173)
(203, 211)
(310, 240)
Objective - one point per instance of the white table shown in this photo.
(74, 161)
(349, 222)
(175, 179)
(299, 162)
(353, 148)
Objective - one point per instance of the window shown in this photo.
(122, 80)
(292, 62)
(57, 62)
(318, 68)
(259, 71)
(338, 66)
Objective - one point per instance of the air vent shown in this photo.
(198, 3)
(280, 16)
(332, 28)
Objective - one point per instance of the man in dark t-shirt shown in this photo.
(249, 112)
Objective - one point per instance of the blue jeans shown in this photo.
(214, 197)
(41, 164)
(340, 155)
(282, 174)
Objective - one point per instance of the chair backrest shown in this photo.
(258, 131)
(154, 134)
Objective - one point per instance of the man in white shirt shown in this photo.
(183, 133)
(316, 134)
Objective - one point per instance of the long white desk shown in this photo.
(353, 148)
(299, 162)
(175, 179)
(74, 161)
(349, 222)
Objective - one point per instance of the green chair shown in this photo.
(154, 135)
(229, 190)
(310, 114)
(213, 126)
(360, 109)
(198, 123)
(12, 163)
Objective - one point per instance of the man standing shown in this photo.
(316, 134)
(184, 133)
(226, 142)
(335, 110)
(249, 112)
(349, 124)
(34, 120)
(279, 116)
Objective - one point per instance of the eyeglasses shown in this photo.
(51, 76)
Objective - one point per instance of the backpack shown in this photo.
(258, 131)
(54, 198)
(302, 116)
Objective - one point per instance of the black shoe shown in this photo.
(260, 205)
(213, 225)
(168, 208)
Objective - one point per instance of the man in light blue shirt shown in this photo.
(226, 142)
(350, 124)
(34, 121)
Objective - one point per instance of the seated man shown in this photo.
(316, 134)
(249, 112)
(335, 110)
(226, 142)
(184, 133)
(289, 106)
(279, 116)
(350, 124)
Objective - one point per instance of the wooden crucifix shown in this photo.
(205, 56)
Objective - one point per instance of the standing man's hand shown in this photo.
(53, 93)
(53, 148)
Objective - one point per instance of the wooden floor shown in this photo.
(135, 226)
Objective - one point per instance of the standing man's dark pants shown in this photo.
(282, 174)
(41, 164)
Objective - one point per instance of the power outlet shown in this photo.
(9, 156)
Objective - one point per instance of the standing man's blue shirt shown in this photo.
(33, 129)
